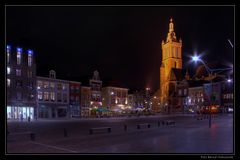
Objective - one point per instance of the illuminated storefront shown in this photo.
(21, 113)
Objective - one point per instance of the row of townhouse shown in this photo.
(32, 96)
(198, 95)
(191, 96)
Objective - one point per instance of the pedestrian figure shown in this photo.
(28, 119)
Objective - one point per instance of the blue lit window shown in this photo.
(19, 55)
(30, 53)
(8, 54)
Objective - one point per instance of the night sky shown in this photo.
(122, 43)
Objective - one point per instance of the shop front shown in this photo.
(20, 113)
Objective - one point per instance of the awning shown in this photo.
(102, 110)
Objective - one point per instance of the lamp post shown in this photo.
(210, 73)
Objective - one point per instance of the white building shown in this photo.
(52, 97)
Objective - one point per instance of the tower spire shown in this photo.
(171, 34)
(171, 26)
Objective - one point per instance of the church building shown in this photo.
(171, 72)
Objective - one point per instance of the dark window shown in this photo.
(19, 83)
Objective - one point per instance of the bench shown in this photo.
(168, 122)
(108, 129)
(31, 134)
(143, 124)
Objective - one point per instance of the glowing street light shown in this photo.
(195, 58)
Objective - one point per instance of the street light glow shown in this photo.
(229, 80)
(195, 58)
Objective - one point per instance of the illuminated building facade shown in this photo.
(52, 97)
(115, 99)
(195, 99)
(21, 83)
(96, 94)
(85, 101)
(75, 96)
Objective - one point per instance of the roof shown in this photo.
(116, 87)
(51, 79)
(177, 74)
(196, 83)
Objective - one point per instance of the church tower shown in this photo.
(171, 59)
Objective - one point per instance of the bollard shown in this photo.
(65, 132)
(125, 127)
(138, 126)
(158, 123)
(32, 136)
(148, 125)
(109, 130)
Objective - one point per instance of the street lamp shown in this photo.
(196, 58)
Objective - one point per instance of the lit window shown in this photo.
(8, 54)
(19, 55)
(29, 58)
(8, 70)
(39, 84)
(45, 84)
(64, 87)
(45, 94)
(8, 82)
(52, 96)
(40, 95)
(51, 85)
(18, 72)
(8, 58)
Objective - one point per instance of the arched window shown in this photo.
(52, 74)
